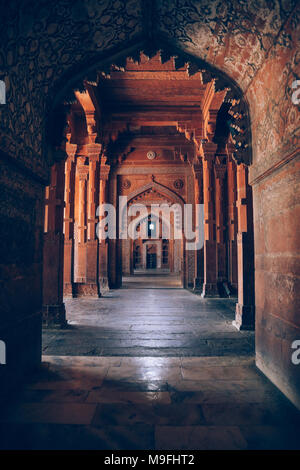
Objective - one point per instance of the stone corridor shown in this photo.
(156, 368)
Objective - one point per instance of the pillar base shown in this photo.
(68, 290)
(85, 289)
(103, 286)
(233, 288)
(244, 317)
(210, 290)
(54, 316)
(198, 285)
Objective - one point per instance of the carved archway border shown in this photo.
(159, 188)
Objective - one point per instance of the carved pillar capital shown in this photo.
(71, 150)
(208, 151)
(82, 167)
(91, 125)
(104, 172)
(94, 151)
(82, 172)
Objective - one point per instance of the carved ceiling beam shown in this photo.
(91, 88)
(88, 107)
(207, 98)
(207, 150)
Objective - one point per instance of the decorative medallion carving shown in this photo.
(126, 184)
(151, 155)
(178, 184)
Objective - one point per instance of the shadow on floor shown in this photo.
(149, 403)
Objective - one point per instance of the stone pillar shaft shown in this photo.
(232, 224)
(210, 262)
(81, 200)
(244, 318)
(92, 245)
(53, 306)
(103, 244)
(199, 253)
(69, 219)
(220, 171)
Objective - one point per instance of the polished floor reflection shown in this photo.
(149, 316)
(149, 403)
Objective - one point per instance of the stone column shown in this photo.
(53, 252)
(171, 255)
(220, 172)
(158, 254)
(199, 254)
(103, 244)
(69, 219)
(210, 262)
(115, 246)
(244, 317)
(232, 224)
(92, 244)
(127, 260)
(183, 262)
(130, 245)
(82, 170)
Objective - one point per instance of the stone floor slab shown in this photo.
(59, 413)
(199, 438)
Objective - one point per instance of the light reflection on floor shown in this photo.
(149, 403)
